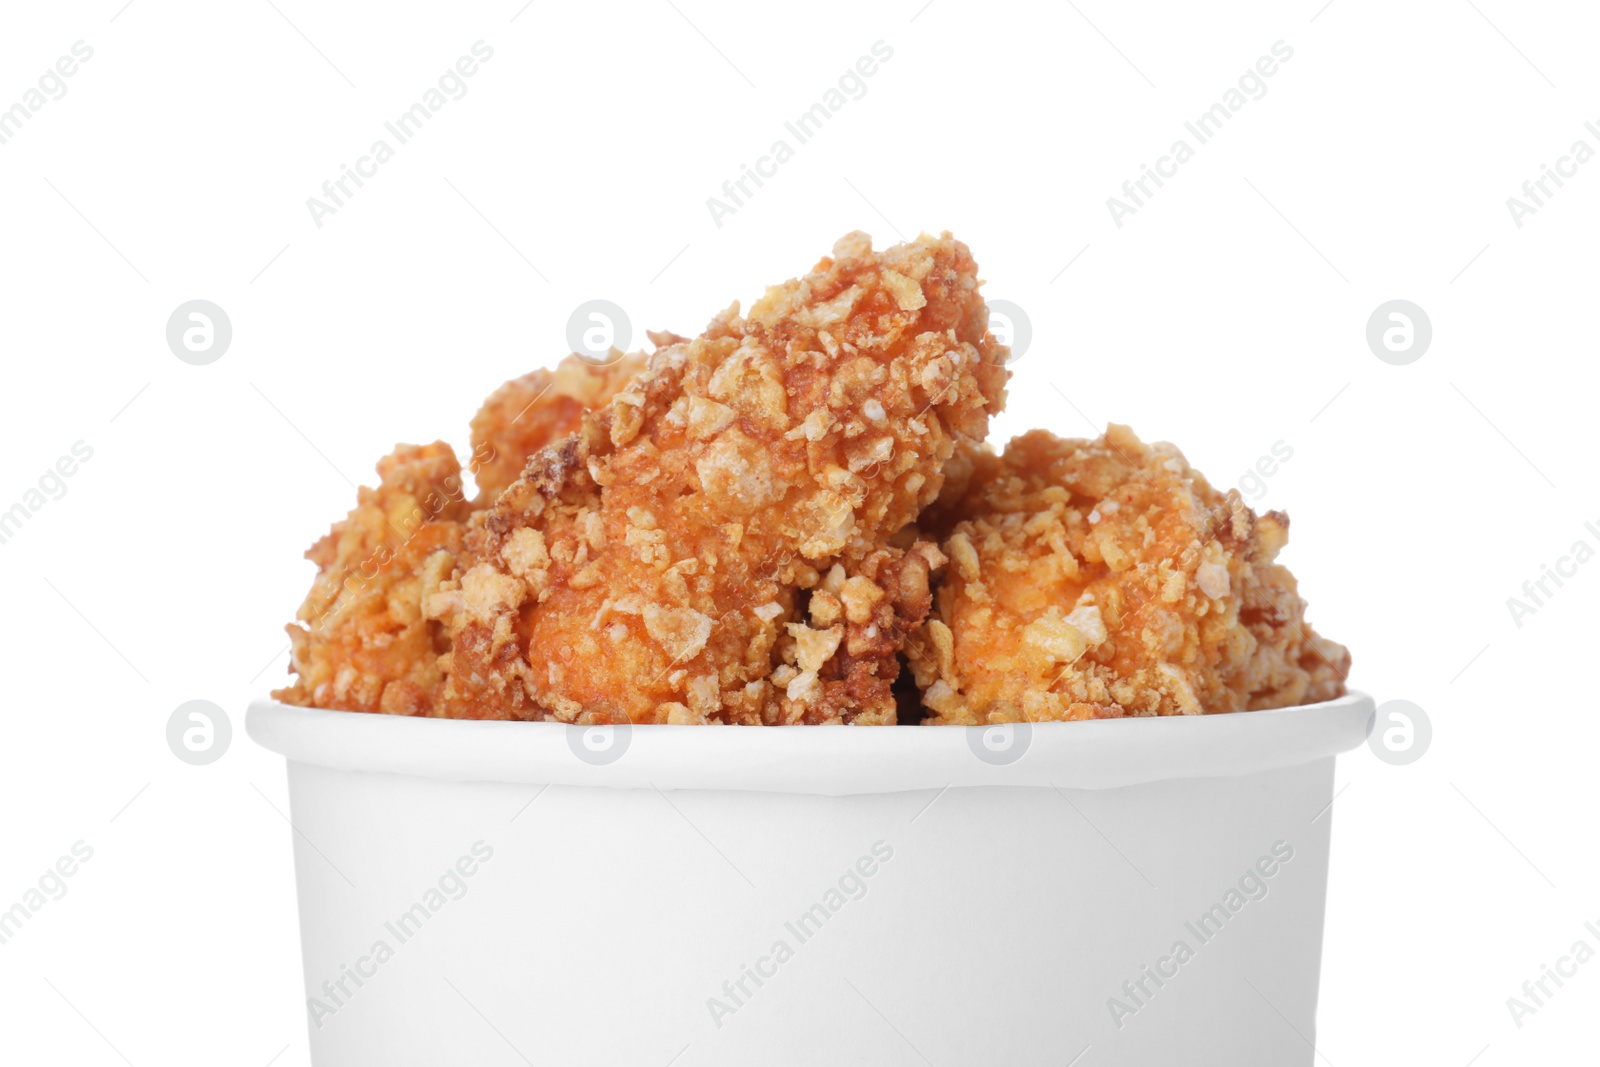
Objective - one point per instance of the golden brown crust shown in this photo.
(841, 663)
(758, 525)
(362, 642)
(365, 641)
(649, 568)
(527, 413)
(1094, 579)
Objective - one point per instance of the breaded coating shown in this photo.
(840, 665)
(759, 525)
(654, 566)
(362, 643)
(1097, 579)
(527, 413)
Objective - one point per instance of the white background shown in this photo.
(1226, 315)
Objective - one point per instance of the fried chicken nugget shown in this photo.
(527, 413)
(1097, 579)
(649, 568)
(362, 643)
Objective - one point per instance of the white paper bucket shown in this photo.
(483, 893)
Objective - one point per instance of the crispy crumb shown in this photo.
(1104, 578)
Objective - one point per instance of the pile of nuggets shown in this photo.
(793, 518)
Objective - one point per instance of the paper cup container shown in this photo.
(1133, 891)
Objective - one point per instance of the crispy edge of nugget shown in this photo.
(1097, 579)
(362, 642)
(543, 406)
